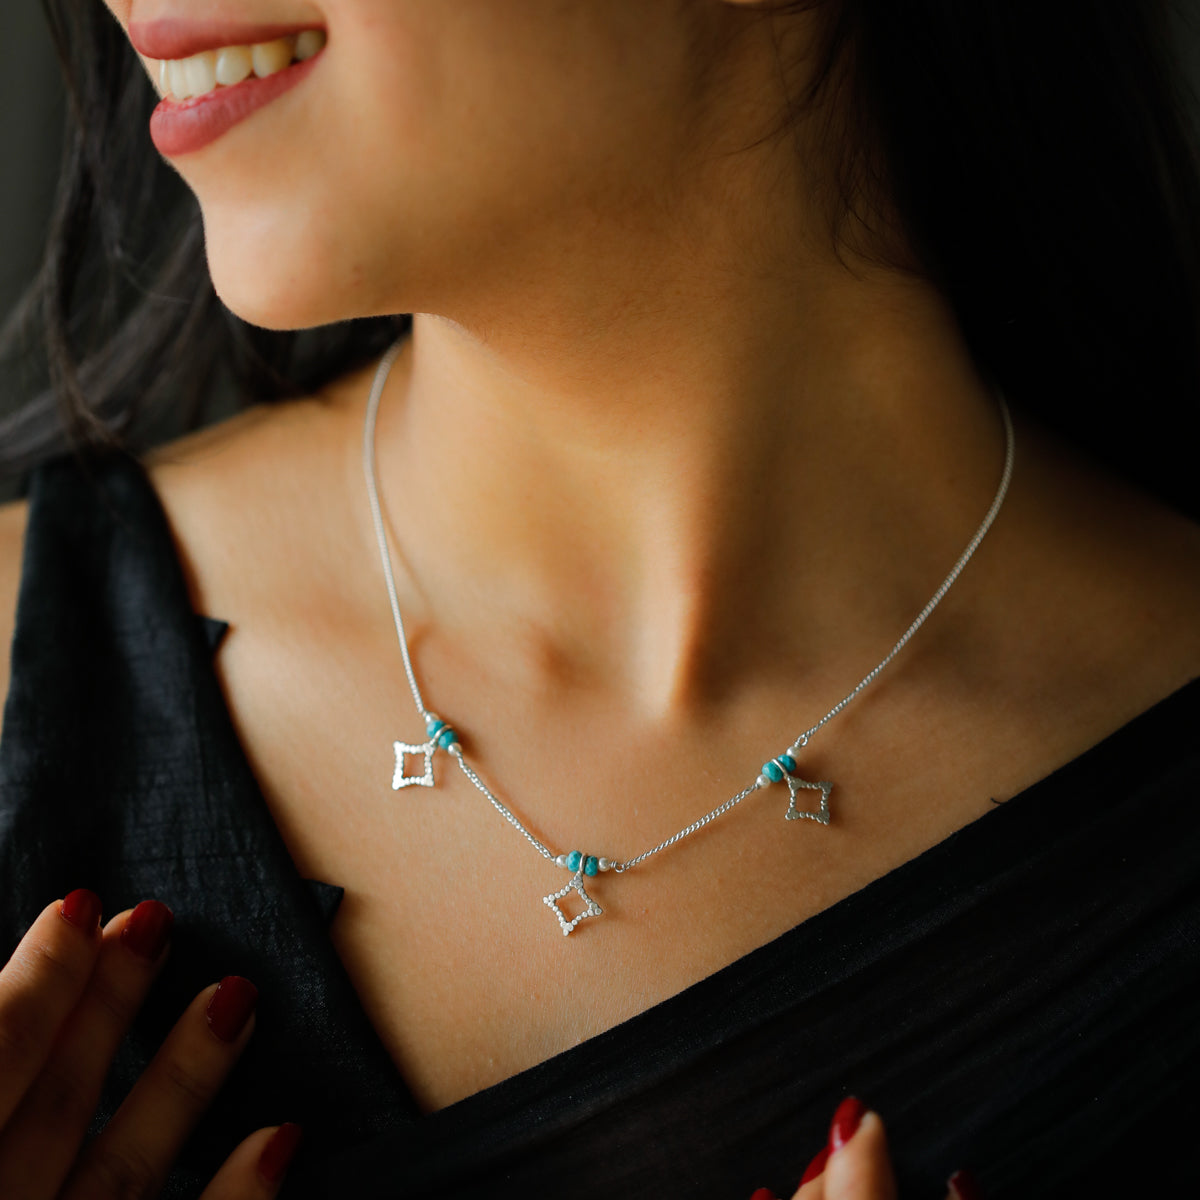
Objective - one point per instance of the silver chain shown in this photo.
(369, 470)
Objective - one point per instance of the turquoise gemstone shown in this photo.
(573, 860)
(447, 738)
(773, 771)
(787, 762)
(434, 728)
(591, 865)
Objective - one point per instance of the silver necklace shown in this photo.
(782, 769)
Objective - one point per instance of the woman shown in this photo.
(721, 309)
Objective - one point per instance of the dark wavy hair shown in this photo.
(1038, 155)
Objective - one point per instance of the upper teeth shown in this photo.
(183, 78)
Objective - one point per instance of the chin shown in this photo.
(280, 279)
(277, 299)
(273, 310)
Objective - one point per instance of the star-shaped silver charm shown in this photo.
(795, 785)
(400, 779)
(590, 909)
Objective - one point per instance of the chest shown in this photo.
(460, 964)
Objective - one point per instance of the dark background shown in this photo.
(30, 120)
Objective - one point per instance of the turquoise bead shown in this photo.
(447, 738)
(573, 860)
(787, 762)
(773, 771)
(434, 728)
(591, 865)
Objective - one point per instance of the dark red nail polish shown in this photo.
(278, 1153)
(231, 1006)
(815, 1167)
(964, 1185)
(148, 928)
(845, 1121)
(82, 908)
(764, 1194)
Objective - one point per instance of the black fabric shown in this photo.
(1021, 998)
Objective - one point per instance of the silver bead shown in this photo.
(561, 861)
(605, 864)
(762, 781)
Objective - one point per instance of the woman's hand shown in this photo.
(67, 997)
(854, 1165)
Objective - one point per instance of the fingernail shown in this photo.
(231, 1006)
(964, 1186)
(764, 1194)
(815, 1167)
(845, 1121)
(278, 1153)
(148, 928)
(82, 908)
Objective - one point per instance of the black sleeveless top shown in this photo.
(1020, 999)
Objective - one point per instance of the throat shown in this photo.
(666, 555)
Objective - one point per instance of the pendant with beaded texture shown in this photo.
(581, 865)
(783, 770)
(441, 737)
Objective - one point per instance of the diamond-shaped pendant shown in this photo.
(590, 909)
(402, 780)
(795, 785)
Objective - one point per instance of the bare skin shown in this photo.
(667, 479)
(1077, 614)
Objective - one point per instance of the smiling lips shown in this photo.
(208, 92)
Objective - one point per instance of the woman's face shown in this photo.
(438, 147)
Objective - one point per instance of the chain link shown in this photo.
(499, 805)
(385, 553)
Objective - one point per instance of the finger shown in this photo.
(859, 1168)
(133, 1154)
(39, 986)
(39, 1145)
(812, 1182)
(256, 1169)
(963, 1185)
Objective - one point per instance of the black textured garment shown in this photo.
(1021, 998)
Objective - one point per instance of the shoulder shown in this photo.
(257, 499)
(12, 541)
(1101, 598)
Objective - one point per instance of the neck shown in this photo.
(677, 445)
(674, 503)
